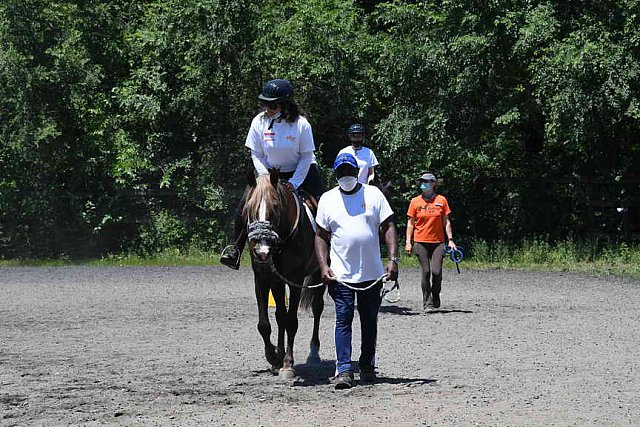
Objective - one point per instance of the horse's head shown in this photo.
(266, 213)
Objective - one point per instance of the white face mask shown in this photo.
(347, 183)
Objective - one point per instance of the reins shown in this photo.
(275, 271)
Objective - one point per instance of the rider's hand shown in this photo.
(327, 274)
(408, 248)
(392, 271)
(289, 186)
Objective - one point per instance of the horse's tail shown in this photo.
(308, 294)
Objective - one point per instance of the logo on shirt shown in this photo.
(269, 136)
(431, 209)
(291, 138)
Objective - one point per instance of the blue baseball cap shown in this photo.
(345, 158)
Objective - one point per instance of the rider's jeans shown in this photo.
(368, 306)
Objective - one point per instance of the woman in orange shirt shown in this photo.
(426, 228)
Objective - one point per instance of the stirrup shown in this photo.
(226, 257)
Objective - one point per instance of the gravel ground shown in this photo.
(179, 346)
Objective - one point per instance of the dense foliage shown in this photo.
(122, 124)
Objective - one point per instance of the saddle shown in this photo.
(309, 200)
(307, 205)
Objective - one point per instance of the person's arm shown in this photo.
(371, 174)
(408, 247)
(449, 232)
(373, 162)
(259, 162)
(322, 240)
(390, 237)
(302, 169)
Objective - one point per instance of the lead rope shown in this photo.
(383, 292)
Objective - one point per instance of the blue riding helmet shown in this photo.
(355, 128)
(276, 90)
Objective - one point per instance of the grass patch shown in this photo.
(612, 259)
(167, 257)
(619, 260)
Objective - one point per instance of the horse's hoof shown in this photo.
(286, 373)
(313, 359)
(314, 354)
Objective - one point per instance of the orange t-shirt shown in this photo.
(428, 218)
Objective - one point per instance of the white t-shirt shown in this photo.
(365, 158)
(282, 145)
(354, 221)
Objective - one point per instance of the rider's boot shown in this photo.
(231, 257)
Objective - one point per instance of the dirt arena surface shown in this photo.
(179, 346)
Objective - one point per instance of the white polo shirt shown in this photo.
(282, 145)
(354, 222)
(365, 158)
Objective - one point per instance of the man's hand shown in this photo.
(327, 274)
(392, 271)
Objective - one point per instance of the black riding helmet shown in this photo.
(276, 90)
(355, 128)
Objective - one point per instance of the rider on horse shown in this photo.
(280, 137)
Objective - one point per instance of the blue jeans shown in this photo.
(368, 306)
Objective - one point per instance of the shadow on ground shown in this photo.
(311, 374)
(446, 311)
(403, 311)
(412, 381)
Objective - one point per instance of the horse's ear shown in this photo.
(274, 175)
(388, 185)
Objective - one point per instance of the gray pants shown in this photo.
(430, 256)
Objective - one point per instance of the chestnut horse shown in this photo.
(281, 245)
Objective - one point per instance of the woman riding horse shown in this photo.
(280, 137)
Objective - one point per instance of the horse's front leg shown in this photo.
(317, 308)
(281, 316)
(292, 328)
(264, 327)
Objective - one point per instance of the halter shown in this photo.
(259, 230)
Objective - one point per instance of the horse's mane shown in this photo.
(273, 195)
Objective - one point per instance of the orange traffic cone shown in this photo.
(272, 302)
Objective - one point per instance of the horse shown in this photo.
(281, 245)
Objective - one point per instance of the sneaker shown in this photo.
(344, 380)
(367, 373)
(231, 259)
(428, 308)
